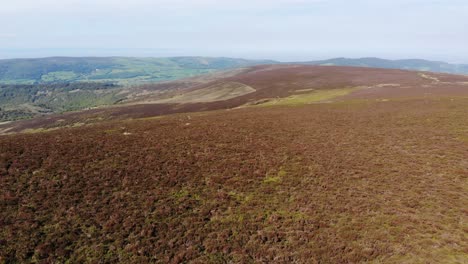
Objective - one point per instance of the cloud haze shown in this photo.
(281, 29)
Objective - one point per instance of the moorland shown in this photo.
(267, 164)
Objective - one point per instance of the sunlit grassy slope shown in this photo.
(310, 97)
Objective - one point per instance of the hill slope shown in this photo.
(273, 83)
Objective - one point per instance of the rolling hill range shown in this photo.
(408, 64)
(292, 164)
(259, 86)
(36, 87)
(128, 70)
(121, 70)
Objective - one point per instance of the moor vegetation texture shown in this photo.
(377, 181)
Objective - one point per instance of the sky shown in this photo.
(286, 30)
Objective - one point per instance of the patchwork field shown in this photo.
(374, 172)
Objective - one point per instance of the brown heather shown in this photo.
(345, 182)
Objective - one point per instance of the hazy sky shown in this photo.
(277, 29)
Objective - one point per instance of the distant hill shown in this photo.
(34, 87)
(129, 70)
(256, 86)
(122, 70)
(409, 64)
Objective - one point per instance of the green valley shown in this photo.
(121, 70)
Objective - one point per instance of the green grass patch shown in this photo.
(308, 98)
(59, 76)
(275, 178)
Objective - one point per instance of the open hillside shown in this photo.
(294, 164)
